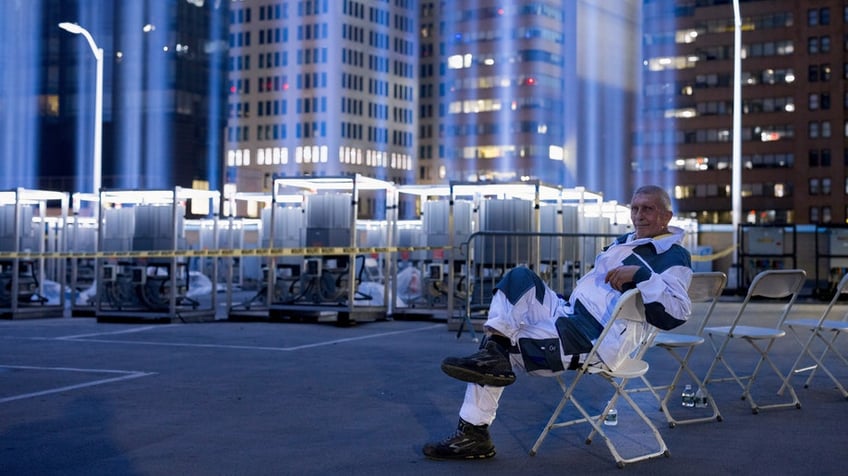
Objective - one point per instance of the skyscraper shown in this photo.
(323, 88)
(793, 131)
(162, 97)
(517, 90)
(432, 91)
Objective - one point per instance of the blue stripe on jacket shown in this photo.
(677, 255)
(517, 281)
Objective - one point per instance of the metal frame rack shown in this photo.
(339, 269)
(144, 268)
(764, 247)
(27, 235)
(831, 258)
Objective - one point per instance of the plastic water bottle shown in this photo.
(688, 396)
(612, 417)
(700, 398)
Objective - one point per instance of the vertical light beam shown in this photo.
(19, 68)
(216, 57)
(128, 130)
(158, 98)
(508, 120)
(736, 179)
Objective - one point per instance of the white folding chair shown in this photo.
(705, 287)
(775, 284)
(630, 307)
(827, 331)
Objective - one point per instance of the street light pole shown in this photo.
(736, 168)
(97, 164)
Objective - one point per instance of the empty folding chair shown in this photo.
(774, 284)
(825, 330)
(628, 307)
(705, 287)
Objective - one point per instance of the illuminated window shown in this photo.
(826, 215)
(459, 61)
(814, 214)
(556, 152)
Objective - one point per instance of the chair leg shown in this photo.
(662, 449)
(596, 421)
(610, 404)
(553, 421)
(684, 367)
(740, 379)
(708, 379)
(829, 346)
(649, 387)
(805, 350)
(764, 358)
(719, 357)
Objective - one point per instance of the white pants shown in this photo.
(527, 318)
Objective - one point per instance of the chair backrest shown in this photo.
(841, 288)
(630, 307)
(774, 284)
(706, 287)
(615, 347)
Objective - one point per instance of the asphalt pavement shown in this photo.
(78, 397)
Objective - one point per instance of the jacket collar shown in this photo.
(661, 243)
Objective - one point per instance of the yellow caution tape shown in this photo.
(714, 256)
(222, 253)
(234, 253)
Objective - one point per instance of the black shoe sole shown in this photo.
(466, 375)
(452, 457)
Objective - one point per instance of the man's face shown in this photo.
(648, 216)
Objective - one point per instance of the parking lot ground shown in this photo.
(78, 397)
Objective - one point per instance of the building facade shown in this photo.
(320, 87)
(163, 94)
(518, 90)
(793, 131)
(431, 91)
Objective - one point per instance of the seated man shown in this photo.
(531, 328)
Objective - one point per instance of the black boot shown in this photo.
(468, 442)
(489, 366)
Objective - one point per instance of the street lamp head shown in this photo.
(78, 30)
(71, 27)
(98, 98)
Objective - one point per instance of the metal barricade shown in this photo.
(560, 259)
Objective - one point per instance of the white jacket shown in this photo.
(663, 282)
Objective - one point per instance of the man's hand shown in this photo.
(619, 277)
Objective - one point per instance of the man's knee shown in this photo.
(517, 281)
